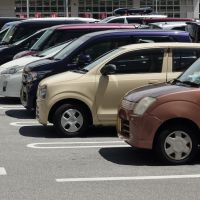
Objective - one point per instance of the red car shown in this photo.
(164, 117)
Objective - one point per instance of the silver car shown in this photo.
(11, 72)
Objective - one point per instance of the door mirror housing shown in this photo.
(84, 59)
(108, 69)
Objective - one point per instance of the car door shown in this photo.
(133, 69)
(180, 60)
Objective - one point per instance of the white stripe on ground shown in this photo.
(12, 107)
(64, 145)
(133, 178)
(31, 123)
(2, 171)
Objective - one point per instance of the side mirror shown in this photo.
(108, 69)
(84, 59)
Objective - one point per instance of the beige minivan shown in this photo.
(77, 99)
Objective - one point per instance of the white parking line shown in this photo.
(31, 123)
(76, 145)
(12, 107)
(133, 178)
(2, 171)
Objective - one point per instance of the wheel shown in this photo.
(70, 120)
(177, 144)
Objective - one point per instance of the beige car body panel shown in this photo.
(102, 94)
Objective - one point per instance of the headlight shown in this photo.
(32, 76)
(42, 91)
(12, 70)
(143, 105)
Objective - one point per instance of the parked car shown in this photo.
(129, 19)
(75, 100)
(58, 34)
(85, 50)
(11, 72)
(168, 25)
(164, 117)
(7, 52)
(22, 29)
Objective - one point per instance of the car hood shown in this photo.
(21, 62)
(154, 91)
(40, 64)
(62, 77)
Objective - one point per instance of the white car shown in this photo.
(129, 19)
(11, 72)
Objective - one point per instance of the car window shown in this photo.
(101, 47)
(134, 20)
(183, 58)
(121, 20)
(60, 36)
(145, 61)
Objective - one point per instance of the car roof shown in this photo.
(93, 25)
(160, 45)
(136, 32)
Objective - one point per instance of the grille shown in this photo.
(125, 128)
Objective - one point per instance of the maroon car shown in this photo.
(164, 117)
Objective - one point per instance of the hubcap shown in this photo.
(178, 145)
(72, 120)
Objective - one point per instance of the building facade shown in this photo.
(96, 8)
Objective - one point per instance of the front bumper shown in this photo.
(28, 95)
(42, 111)
(10, 85)
(138, 131)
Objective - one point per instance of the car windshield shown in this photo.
(52, 50)
(101, 59)
(70, 48)
(42, 39)
(191, 76)
(2, 33)
(9, 34)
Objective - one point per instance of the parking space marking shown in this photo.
(133, 178)
(12, 107)
(77, 145)
(2, 171)
(31, 123)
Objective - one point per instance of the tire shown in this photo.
(177, 144)
(70, 120)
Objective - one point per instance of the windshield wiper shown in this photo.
(192, 84)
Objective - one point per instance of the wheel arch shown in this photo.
(70, 101)
(176, 121)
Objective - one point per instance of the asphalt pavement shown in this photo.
(36, 164)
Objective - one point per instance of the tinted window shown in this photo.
(146, 61)
(134, 20)
(121, 20)
(101, 47)
(183, 58)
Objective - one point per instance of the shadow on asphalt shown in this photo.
(9, 100)
(50, 132)
(20, 114)
(132, 156)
